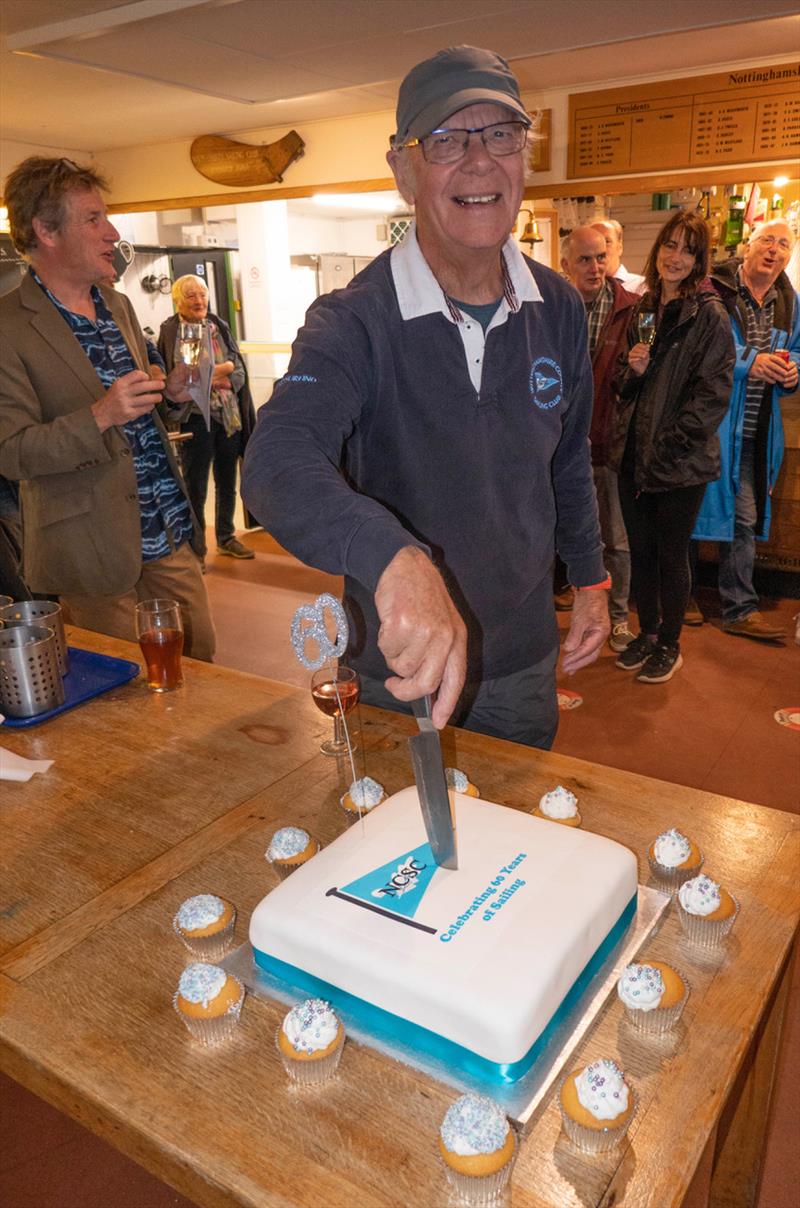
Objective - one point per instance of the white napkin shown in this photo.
(17, 767)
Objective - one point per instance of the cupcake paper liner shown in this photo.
(660, 1019)
(215, 1030)
(482, 1189)
(316, 1071)
(704, 932)
(669, 880)
(208, 947)
(597, 1140)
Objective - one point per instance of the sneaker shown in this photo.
(693, 616)
(235, 549)
(754, 626)
(636, 653)
(564, 600)
(661, 666)
(621, 637)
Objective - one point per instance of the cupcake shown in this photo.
(205, 925)
(559, 805)
(290, 847)
(459, 782)
(674, 859)
(478, 1148)
(654, 996)
(706, 910)
(362, 796)
(209, 1001)
(597, 1105)
(310, 1042)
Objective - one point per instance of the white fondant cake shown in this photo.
(483, 956)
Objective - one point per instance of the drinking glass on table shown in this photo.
(335, 691)
(646, 326)
(159, 628)
(190, 343)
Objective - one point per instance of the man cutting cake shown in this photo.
(429, 440)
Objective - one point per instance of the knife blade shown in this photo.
(437, 811)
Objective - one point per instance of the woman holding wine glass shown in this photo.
(674, 388)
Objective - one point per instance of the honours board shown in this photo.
(727, 118)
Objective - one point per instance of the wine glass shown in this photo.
(647, 326)
(190, 343)
(335, 691)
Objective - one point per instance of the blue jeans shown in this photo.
(737, 557)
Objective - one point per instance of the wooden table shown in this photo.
(154, 798)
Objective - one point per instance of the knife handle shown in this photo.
(422, 711)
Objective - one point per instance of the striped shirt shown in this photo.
(597, 312)
(758, 336)
(165, 514)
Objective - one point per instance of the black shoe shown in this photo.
(693, 616)
(636, 653)
(661, 666)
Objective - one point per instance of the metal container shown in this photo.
(39, 612)
(30, 681)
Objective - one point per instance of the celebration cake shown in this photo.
(473, 967)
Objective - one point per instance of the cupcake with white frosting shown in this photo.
(597, 1106)
(209, 1001)
(310, 1042)
(559, 805)
(205, 925)
(706, 910)
(288, 848)
(478, 1148)
(653, 995)
(362, 796)
(459, 782)
(673, 859)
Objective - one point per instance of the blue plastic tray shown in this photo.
(89, 675)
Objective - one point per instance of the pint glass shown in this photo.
(160, 631)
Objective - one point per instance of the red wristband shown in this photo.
(604, 586)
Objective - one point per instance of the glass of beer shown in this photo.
(159, 628)
(335, 691)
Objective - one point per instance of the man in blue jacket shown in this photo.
(429, 440)
(765, 317)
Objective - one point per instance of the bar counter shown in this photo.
(154, 798)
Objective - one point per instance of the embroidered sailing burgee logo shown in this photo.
(546, 383)
(396, 887)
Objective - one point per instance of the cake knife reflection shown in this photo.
(426, 760)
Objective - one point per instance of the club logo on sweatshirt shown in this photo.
(546, 383)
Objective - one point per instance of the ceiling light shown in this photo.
(780, 181)
(383, 203)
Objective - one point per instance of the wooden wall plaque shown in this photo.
(731, 117)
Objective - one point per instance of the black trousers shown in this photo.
(197, 457)
(659, 525)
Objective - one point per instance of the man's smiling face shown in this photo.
(472, 203)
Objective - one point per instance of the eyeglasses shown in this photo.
(446, 146)
(772, 241)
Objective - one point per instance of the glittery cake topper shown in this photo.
(314, 614)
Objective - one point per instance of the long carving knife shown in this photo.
(437, 812)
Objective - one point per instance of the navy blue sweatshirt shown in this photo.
(376, 438)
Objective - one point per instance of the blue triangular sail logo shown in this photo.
(398, 886)
(543, 382)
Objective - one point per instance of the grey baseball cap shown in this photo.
(451, 80)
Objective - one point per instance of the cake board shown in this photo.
(520, 1100)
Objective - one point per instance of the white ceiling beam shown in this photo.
(96, 23)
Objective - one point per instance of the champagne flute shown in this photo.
(190, 343)
(647, 326)
(335, 691)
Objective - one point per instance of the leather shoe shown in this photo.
(754, 626)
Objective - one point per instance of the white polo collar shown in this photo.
(419, 293)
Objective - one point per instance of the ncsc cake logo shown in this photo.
(394, 889)
(546, 383)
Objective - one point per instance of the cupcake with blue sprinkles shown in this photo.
(362, 796)
(653, 994)
(478, 1147)
(290, 847)
(459, 782)
(209, 1001)
(597, 1106)
(205, 925)
(310, 1042)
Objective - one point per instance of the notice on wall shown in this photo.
(727, 118)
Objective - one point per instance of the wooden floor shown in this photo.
(711, 727)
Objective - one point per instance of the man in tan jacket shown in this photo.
(106, 518)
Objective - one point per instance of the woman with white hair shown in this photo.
(232, 414)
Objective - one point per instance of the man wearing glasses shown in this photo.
(765, 316)
(429, 440)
